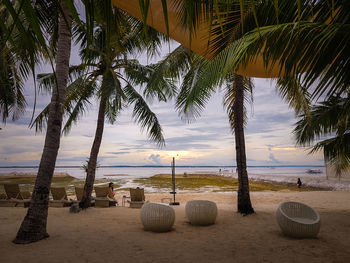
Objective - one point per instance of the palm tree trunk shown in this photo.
(90, 177)
(33, 227)
(244, 205)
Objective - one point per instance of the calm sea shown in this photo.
(142, 172)
(286, 174)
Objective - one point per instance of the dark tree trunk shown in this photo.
(90, 176)
(244, 205)
(33, 227)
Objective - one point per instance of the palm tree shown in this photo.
(105, 62)
(111, 58)
(330, 118)
(33, 227)
(311, 48)
(192, 99)
(236, 92)
(307, 42)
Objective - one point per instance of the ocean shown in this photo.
(148, 171)
(283, 174)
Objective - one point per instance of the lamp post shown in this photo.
(173, 181)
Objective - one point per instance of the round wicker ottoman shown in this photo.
(157, 217)
(298, 220)
(201, 212)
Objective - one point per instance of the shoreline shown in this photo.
(264, 182)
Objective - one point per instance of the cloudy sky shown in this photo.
(207, 141)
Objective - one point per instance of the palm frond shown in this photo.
(331, 116)
(41, 119)
(336, 151)
(154, 81)
(297, 97)
(194, 93)
(77, 99)
(144, 116)
(319, 50)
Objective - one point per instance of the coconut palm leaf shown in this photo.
(144, 116)
(192, 98)
(329, 118)
(157, 84)
(296, 95)
(78, 95)
(12, 100)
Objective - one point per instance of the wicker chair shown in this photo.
(298, 220)
(201, 212)
(157, 217)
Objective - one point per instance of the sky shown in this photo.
(206, 141)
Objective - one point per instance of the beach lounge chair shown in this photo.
(14, 195)
(59, 197)
(102, 199)
(137, 197)
(79, 192)
(6, 202)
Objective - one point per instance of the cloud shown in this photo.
(208, 140)
(155, 158)
(273, 159)
(117, 152)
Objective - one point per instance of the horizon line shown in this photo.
(110, 166)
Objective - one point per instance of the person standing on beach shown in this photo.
(299, 183)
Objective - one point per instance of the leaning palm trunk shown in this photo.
(90, 177)
(244, 205)
(33, 227)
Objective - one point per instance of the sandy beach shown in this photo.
(116, 234)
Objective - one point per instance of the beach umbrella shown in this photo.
(198, 42)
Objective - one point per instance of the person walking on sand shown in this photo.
(299, 183)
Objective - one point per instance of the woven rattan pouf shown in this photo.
(201, 212)
(298, 220)
(157, 217)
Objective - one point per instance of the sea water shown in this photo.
(148, 171)
(125, 175)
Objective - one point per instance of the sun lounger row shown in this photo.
(102, 199)
(14, 197)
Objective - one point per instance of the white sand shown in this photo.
(116, 234)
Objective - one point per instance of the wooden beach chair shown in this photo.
(15, 197)
(59, 196)
(137, 197)
(102, 199)
(79, 192)
(4, 202)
